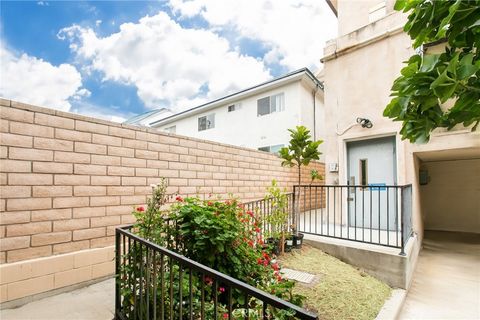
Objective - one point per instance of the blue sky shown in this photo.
(116, 59)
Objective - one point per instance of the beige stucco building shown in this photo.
(359, 69)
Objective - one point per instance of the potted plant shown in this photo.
(297, 238)
(300, 152)
(288, 242)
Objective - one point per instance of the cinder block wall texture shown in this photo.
(66, 182)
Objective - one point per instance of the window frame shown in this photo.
(273, 100)
(234, 106)
(269, 148)
(169, 129)
(363, 172)
(208, 118)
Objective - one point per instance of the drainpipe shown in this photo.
(314, 93)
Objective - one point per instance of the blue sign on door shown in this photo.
(378, 186)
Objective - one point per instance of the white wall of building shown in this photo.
(244, 128)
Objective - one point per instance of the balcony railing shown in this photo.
(374, 214)
(156, 283)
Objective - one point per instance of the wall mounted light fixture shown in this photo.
(365, 123)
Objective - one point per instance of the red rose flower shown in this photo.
(210, 203)
(225, 316)
(140, 209)
(208, 281)
(179, 199)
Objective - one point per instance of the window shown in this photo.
(234, 107)
(206, 122)
(363, 172)
(171, 129)
(273, 149)
(267, 105)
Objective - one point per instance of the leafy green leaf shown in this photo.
(429, 61)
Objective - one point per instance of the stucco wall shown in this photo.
(67, 181)
(354, 14)
(451, 199)
(358, 80)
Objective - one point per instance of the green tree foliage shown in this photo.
(429, 80)
(301, 150)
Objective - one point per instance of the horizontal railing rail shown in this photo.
(156, 283)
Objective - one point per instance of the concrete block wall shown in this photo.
(66, 181)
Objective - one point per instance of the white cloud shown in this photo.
(294, 31)
(110, 113)
(169, 65)
(28, 79)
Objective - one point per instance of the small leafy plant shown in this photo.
(277, 219)
(315, 175)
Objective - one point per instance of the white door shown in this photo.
(371, 167)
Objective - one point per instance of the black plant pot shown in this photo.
(288, 245)
(298, 240)
(274, 245)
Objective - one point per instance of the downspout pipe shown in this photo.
(314, 95)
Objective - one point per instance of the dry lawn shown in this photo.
(340, 291)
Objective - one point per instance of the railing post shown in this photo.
(117, 273)
(294, 209)
(402, 214)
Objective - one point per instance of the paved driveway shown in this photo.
(446, 283)
(93, 302)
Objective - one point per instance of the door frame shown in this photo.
(347, 164)
(344, 174)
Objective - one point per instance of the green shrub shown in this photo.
(217, 233)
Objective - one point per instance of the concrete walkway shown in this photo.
(93, 302)
(446, 283)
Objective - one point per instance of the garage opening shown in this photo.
(447, 277)
(450, 195)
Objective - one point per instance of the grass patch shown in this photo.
(341, 291)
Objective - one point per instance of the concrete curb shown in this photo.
(392, 307)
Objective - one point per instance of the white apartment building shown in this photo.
(257, 117)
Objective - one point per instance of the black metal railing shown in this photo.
(156, 283)
(263, 207)
(374, 214)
